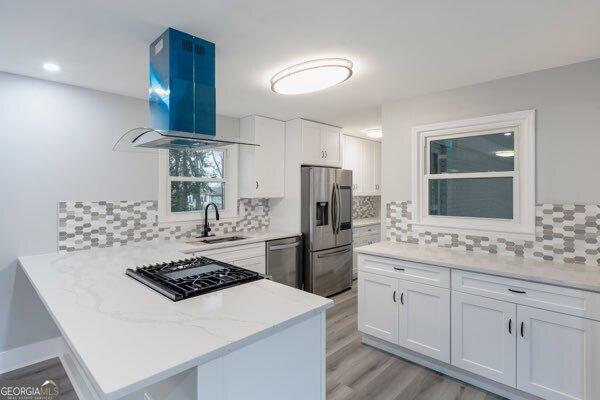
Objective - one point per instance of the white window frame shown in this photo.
(231, 189)
(522, 225)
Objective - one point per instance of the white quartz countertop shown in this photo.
(577, 276)
(357, 223)
(127, 336)
(251, 237)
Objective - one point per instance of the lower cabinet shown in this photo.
(378, 306)
(548, 354)
(408, 314)
(558, 356)
(249, 256)
(425, 319)
(483, 337)
(256, 264)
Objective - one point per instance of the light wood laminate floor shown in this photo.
(358, 372)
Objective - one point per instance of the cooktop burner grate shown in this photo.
(191, 277)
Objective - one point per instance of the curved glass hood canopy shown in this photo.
(181, 98)
(150, 140)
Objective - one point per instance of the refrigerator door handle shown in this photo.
(333, 254)
(334, 211)
(285, 246)
(338, 208)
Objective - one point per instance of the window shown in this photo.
(476, 174)
(191, 179)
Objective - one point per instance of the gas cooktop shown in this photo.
(191, 277)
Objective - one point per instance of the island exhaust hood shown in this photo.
(181, 97)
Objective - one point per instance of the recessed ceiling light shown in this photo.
(48, 66)
(374, 133)
(311, 76)
(505, 153)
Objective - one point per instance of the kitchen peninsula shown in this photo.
(255, 340)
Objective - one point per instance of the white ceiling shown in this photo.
(400, 48)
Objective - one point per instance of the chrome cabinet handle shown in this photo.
(402, 298)
(510, 326)
(257, 184)
(517, 291)
(394, 296)
(325, 153)
(522, 329)
(399, 269)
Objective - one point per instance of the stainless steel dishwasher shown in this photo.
(284, 261)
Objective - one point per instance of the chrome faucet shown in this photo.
(206, 228)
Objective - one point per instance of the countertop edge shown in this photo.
(494, 272)
(229, 348)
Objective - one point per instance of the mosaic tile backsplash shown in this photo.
(566, 233)
(364, 206)
(84, 225)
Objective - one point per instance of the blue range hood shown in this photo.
(181, 97)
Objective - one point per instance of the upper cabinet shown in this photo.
(261, 168)
(363, 157)
(321, 144)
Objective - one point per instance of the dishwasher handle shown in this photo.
(284, 246)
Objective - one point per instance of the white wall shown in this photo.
(567, 102)
(57, 145)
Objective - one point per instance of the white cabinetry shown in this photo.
(483, 337)
(376, 168)
(363, 236)
(377, 306)
(363, 157)
(558, 356)
(531, 338)
(425, 319)
(261, 168)
(249, 256)
(321, 144)
(413, 315)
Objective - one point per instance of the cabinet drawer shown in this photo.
(228, 254)
(256, 264)
(539, 295)
(366, 230)
(407, 270)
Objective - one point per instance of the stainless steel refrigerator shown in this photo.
(327, 229)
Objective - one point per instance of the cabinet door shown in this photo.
(353, 161)
(425, 319)
(256, 264)
(484, 337)
(312, 153)
(558, 355)
(376, 168)
(269, 158)
(368, 152)
(378, 306)
(331, 145)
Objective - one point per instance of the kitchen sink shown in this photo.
(216, 239)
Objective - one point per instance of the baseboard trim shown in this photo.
(23, 356)
(449, 370)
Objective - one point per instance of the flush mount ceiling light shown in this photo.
(51, 67)
(375, 133)
(311, 76)
(505, 153)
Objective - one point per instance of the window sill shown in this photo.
(187, 219)
(421, 228)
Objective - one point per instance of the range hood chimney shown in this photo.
(181, 97)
